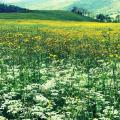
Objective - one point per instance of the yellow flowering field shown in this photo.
(56, 70)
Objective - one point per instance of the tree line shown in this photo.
(99, 17)
(11, 8)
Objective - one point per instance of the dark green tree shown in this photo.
(118, 18)
(11, 8)
(101, 17)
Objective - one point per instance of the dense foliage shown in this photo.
(59, 70)
(11, 8)
(98, 17)
(103, 18)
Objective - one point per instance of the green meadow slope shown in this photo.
(46, 15)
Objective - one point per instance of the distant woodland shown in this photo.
(11, 8)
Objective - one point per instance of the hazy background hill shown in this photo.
(97, 6)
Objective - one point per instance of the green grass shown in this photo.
(46, 15)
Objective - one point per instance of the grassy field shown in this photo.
(57, 70)
(46, 15)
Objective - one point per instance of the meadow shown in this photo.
(59, 70)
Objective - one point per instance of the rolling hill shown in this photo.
(46, 15)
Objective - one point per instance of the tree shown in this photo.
(118, 18)
(101, 17)
(79, 11)
(74, 9)
(108, 18)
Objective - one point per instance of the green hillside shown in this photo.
(46, 15)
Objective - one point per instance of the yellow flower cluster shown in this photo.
(62, 39)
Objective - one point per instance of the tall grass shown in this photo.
(68, 72)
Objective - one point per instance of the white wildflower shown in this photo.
(48, 85)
